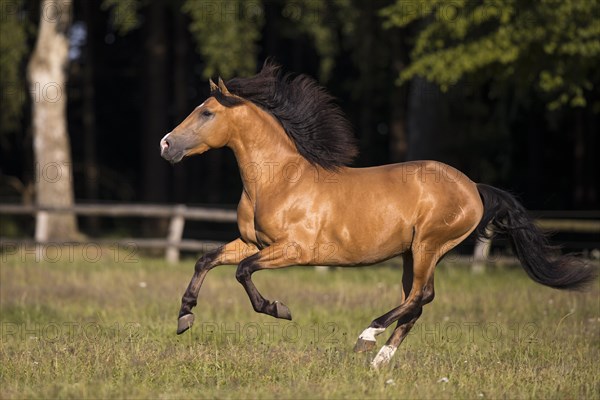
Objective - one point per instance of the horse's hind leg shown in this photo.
(426, 257)
(403, 327)
(417, 291)
(366, 340)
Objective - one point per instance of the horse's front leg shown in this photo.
(231, 253)
(272, 257)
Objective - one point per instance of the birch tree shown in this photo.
(47, 76)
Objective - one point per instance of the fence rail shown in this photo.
(174, 243)
(130, 210)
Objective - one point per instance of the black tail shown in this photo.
(506, 215)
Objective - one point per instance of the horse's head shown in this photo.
(209, 126)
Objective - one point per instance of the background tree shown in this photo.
(47, 84)
(529, 53)
(13, 48)
(506, 92)
(551, 45)
(233, 25)
(13, 94)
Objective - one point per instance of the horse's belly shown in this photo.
(362, 233)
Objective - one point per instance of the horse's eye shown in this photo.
(207, 113)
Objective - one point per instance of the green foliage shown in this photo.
(227, 33)
(553, 45)
(13, 48)
(314, 19)
(124, 14)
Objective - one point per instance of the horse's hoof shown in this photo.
(185, 322)
(383, 357)
(363, 345)
(282, 311)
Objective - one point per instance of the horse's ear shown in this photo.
(213, 86)
(223, 88)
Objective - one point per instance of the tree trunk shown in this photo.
(424, 113)
(592, 166)
(154, 115)
(535, 164)
(155, 171)
(366, 63)
(579, 182)
(180, 46)
(89, 115)
(47, 81)
(398, 146)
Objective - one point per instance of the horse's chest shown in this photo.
(266, 229)
(258, 227)
(277, 224)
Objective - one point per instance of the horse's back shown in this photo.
(426, 190)
(412, 177)
(379, 209)
(449, 201)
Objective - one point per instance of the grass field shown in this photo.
(77, 329)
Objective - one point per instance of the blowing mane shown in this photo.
(307, 113)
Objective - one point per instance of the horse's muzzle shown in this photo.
(169, 151)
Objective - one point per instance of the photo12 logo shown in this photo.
(68, 331)
(53, 172)
(292, 172)
(53, 253)
(228, 11)
(50, 92)
(472, 332)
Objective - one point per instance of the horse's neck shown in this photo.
(266, 156)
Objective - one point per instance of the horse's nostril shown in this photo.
(164, 144)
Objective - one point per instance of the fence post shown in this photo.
(175, 234)
(41, 226)
(41, 233)
(481, 252)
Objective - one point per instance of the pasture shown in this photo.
(79, 329)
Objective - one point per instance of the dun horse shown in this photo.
(302, 205)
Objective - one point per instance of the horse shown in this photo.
(302, 204)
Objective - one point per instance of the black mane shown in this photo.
(306, 111)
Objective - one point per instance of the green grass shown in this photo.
(75, 329)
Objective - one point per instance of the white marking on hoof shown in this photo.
(384, 356)
(370, 333)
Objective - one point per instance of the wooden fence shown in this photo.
(173, 243)
(178, 214)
